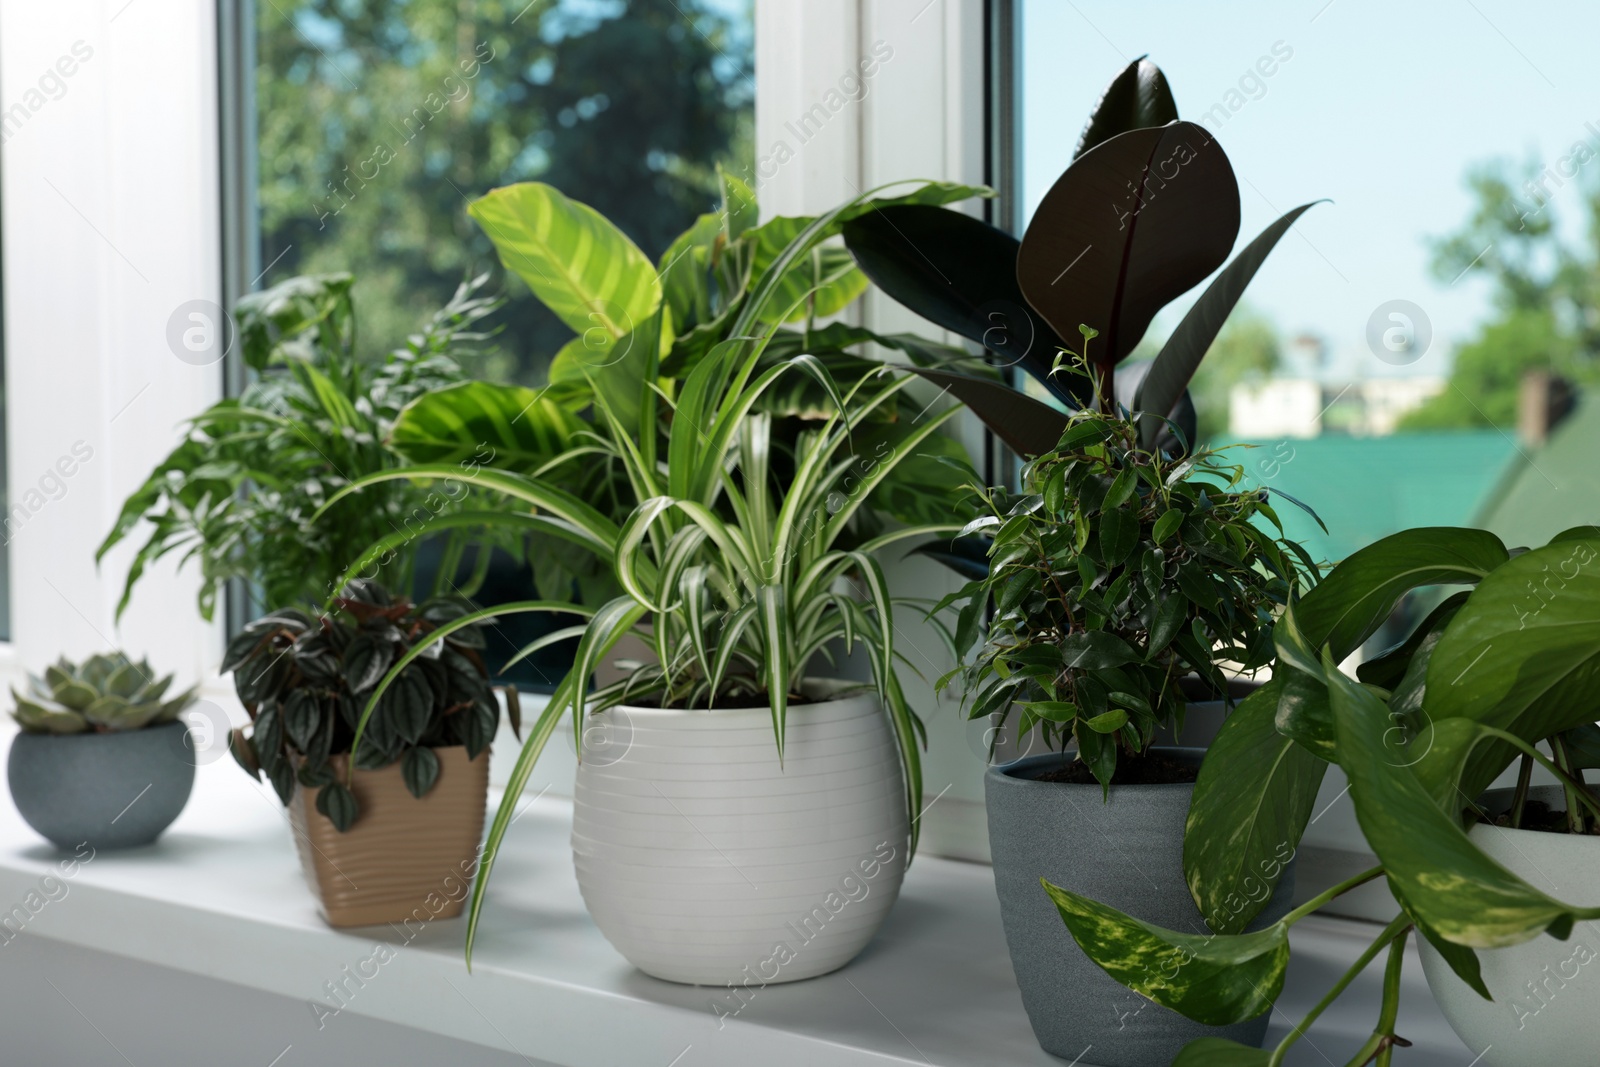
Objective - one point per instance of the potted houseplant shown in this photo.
(237, 492)
(386, 832)
(1114, 574)
(1146, 211)
(102, 757)
(754, 783)
(1491, 672)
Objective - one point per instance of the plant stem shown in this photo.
(1519, 799)
(1328, 894)
(1396, 927)
(1576, 822)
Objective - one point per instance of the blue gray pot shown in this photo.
(1127, 853)
(112, 790)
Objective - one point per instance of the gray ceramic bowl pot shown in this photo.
(1127, 853)
(111, 790)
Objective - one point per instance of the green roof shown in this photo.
(1365, 488)
(1550, 489)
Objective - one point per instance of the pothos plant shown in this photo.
(738, 560)
(1114, 573)
(1422, 731)
(304, 680)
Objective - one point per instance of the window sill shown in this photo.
(221, 896)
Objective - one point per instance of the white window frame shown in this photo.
(109, 196)
(111, 200)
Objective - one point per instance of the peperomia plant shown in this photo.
(304, 680)
(1484, 678)
(1115, 573)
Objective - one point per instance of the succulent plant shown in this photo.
(304, 681)
(103, 694)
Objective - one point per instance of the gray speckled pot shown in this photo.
(113, 790)
(1127, 853)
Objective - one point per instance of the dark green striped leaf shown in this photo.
(420, 769)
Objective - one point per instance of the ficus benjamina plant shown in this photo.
(1116, 572)
(738, 560)
(1492, 671)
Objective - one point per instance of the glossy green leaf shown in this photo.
(1166, 525)
(577, 263)
(1253, 797)
(339, 804)
(419, 767)
(1447, 882)
(1119, 534)
(1523, 655)
(1349, 605)
(1108, 723)
(1215, 980)
(1096, 650)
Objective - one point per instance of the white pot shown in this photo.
(1546, 992)
(704, 861)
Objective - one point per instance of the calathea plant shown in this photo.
(304, 680)
(1115, 573)
(1148, 208)
(1490, 673)
(103, 694)
(640, 329)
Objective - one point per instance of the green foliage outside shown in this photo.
(380, 119)
(1546, 294)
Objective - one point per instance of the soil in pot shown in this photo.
(405, 859)
(1126, 852)
(117, 789)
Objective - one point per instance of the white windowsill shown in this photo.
(221, 896)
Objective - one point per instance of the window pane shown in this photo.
(1415, 352)
(378, 120)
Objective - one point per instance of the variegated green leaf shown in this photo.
(1215, 980)
(576, 262)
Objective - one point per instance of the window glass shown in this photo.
(367, 126)
(378, 120)
(1419, 350)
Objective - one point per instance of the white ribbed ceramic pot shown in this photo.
(1546, 992)
(703, 861)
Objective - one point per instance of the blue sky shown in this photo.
(1381, 107)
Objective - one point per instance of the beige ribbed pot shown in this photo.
(404, 858)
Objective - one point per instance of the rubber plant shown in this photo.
(731, 560)
(1114, 574)
(1421, 732)
(1147, 209)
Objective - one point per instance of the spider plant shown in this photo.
(732, 571)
